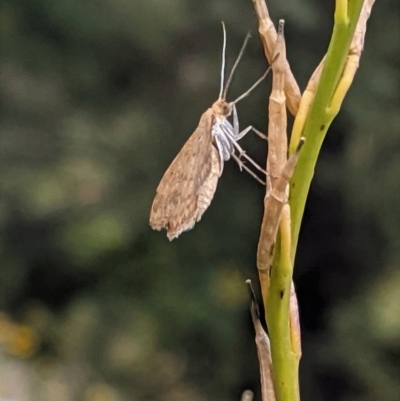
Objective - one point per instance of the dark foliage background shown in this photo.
(97, 97)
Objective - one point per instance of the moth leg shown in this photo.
(239, 135)
(236, 132)
(243, 166)
(221, 152)
(233, 141)
(259, 133)
(242, 153)
(251, 128)
(243, 133)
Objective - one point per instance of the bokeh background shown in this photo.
(97, 97)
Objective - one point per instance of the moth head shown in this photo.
(222, 108)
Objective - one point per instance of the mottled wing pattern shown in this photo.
(206, 191)
(188, 185)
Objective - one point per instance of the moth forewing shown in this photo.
(206, 191)
(189, 184)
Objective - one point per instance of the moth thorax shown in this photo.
(222, 108)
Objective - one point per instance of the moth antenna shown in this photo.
(223, 61)
(235, 65)
(252, 87)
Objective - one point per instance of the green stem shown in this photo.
(285, 361)
(321, 115)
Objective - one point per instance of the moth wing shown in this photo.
(206, 191)
(176, 204)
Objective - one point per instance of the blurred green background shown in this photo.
(97, 97)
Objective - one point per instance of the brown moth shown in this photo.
(188, 186)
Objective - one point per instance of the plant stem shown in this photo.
(321, 113)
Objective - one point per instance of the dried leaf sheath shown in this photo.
(189, 184)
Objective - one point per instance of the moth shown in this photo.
(188, 186)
